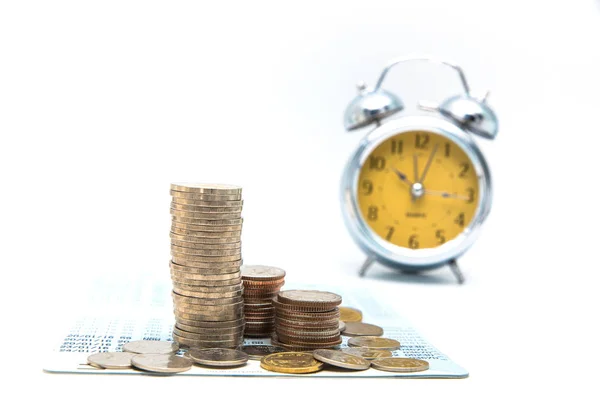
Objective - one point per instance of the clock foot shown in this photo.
(366, 265)
(456, 271)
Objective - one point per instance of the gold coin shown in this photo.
(207, 216)
(342, 360)
(348, 314)
(204, 209)
(206, 246)
(262, 273)
(397, 364)
(206, 188)
(235, 221)
(374, 342)
(218, 357)
(362, 329)
(204, 197)
(291, 363)
(206, 252)
(367, 354)
(203, 203)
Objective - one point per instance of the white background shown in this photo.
(103, 104)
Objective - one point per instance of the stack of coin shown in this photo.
(306, 320)
(261, 285)
(205, 266)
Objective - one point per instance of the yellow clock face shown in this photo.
(418, 190)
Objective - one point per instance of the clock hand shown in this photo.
(416, 167)
(402, 177)
(446, 195)
(428, 163)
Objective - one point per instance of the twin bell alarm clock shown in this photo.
(417, 190)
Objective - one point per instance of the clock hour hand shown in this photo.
(446, 195)
(402, 177)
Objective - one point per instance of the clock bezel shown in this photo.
(402, 257)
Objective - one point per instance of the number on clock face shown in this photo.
(418, 190)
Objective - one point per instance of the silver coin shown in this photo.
(204, 203)
(218, 357)
(205, 336)
(205, 197)
(210, 331)
(258, 351)
(206, 246)
(234, 322)
(205, 277)
(341, 359)
(206, 188)
(162, 363)
(150, 347)
(111, 360)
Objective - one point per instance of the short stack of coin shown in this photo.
(261, 285)
(306, 320)
(205, 266)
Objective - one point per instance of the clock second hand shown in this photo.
(446, 195)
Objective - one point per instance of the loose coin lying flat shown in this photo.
(348, 314)
(111, 360)
(291, 363)
(396, 364)
(218, 357)
(374, 342)
(362, 329)
(342, 326)
(162, 363)
(150, 347)
(367, 354)
(257, 352)
(341, 359)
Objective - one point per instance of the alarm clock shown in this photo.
(417, 190)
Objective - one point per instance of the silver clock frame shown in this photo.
(406, 259)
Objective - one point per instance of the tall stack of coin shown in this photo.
(261, 285)
(306, 320)
(205, 265)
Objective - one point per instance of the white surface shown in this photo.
(103, 104)
(110, 318)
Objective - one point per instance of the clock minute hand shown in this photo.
(446, 195)
(428, 163)
(402, 177)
